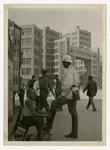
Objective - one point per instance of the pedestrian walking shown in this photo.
(91, 89)
(69, 79)
(44, 86)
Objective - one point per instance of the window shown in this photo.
(76, 67)
(80, 67)
(95, 66)
(94, 72)
(95, 55)
(37, 33)
(56, 63)
(56, 50)
(74, 38)
(56, 56)
(74, 33)
(22, 32)
(76, 62)
(16, 66)
(56, 44)
(27, 41)
(27, 61)
(56, 69)
(94, 61)
(26, 71)
(27, 31)
(74, 44)
(26, 52)
(37, 43)
(81, 62)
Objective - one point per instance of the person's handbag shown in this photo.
(75, 93)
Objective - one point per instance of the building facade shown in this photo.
(15, 40)
(31, 46)
(14, 61)
(48, 37)
(80, 67)
(60, 49)
(10, 76)
(78, 38)
(90, 58)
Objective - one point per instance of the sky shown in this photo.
(64, 18)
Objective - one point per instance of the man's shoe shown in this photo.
(71, 136)
(94, 110)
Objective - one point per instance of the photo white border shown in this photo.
(104, 70)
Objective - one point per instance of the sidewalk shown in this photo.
(90, 123)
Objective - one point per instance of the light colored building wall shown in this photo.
(90, 59)
(49, 35)
(80, 67)
(32, 51)
(79, 38)
(60, 49)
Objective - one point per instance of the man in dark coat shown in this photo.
(44, 86)
(58, 91)
(91, 88)
(57, 86)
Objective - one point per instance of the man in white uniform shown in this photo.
(69, 79)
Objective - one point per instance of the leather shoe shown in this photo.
(71, 136)
(94, 110)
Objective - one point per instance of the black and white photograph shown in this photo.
(55, 79)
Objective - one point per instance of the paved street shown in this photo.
(89, 123)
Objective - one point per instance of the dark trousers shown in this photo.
(91, 102)
(43, 99)
(21, 97)
(31, 121)
(72, 110)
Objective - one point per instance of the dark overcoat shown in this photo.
(91, 88)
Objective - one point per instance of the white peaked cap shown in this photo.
(67, 58)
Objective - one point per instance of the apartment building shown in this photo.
(31, 45)
(48, 37)
(78, 38)
(80, 67)
(60, 49)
